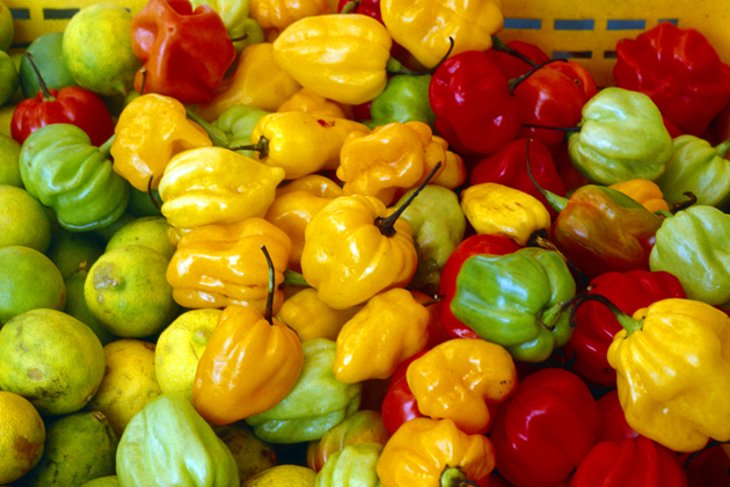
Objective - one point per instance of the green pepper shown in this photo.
(697, 167)
(516, 300)
(352, 466)
(315, 404)
(438, 225)
(60, 167)
(169, 443)
(622, 136)
(241, 28)
(404, 99)
(692, 244)
(237, 123)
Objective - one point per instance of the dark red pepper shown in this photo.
(399, 404)
(186, 52)
(613, 420)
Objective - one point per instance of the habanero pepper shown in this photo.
(279, 14)
(399, 405)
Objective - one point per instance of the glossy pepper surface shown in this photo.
(185, 52)
(310, 317)
(249, 364)
(59, 166)
(405, 99)
(341, 57)
(306, 100)
(354, 465)
(278, 14)
(643, 191)
(399, 405)
(673, 372)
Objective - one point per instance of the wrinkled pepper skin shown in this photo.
(306, 100)
(341, 57)
(213, 185)
(621, 136)
(59, 166)
(245, 344)
(193, 454)
(647, 193)
(279, 14)
(353, 466)
(673, 373)
(697, 167)
(543, 432)
(516, 300)
(317, 402)
(422, 450)
(150, 130)
(692, 245)
(311, 318)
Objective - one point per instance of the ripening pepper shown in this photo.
(405, 99)
(391, 327)
(213, 185)
(516, 300)
(301, 143)
(62, 169)
(643, 191)
(306, 100)
(469, 23)
(621, 136)
(233, 13)
(353, 249)
(460, 379)
(692, 245)
(341, 57)
(212, 265)
(150, 130)
(501, 210)
(278, 14)
(353, 466)
(697, 167)
(185, 52)
(311, 318)
(672, 362)
(249, 364)
(433, 453)
(317, 402)
(237, 123)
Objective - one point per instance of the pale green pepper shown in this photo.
(353, 466)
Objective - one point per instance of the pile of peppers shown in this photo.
(478, 266)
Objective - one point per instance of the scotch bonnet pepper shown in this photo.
(279, 14)
(405, 99)
(353, 466)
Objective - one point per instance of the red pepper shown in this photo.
(186, 52)
(709, 466)
(514, 66)
(371, 8)
(473, 245)
(543, 432)
(632, 462)
(679, 70)
(399, 404)
(595, 324)
(614, 424)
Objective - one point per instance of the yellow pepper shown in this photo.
(306, 100)
(257, 81)
(341, 57)
(295, 205)
(423, 27)
(278, 14)
(215, 185)
(494, 208)
(645, 191)
(395, 156)
(433, 453)
(301, 143)
(391, 327)
(248, 365)
(353, 250)
(150, 130)
(460, 378)
(311, 317)
(212, 266)
(672, 362)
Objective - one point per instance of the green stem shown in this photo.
(269, 313)
(550, 127)
(627, 322)
(499, 45)
(454, 477)
(47, 96)
(106, 147)
(396, 67)
(515, 82)
(293, 278)
(557, 202)
(217, 136)
(722, 148)
(262, 147)
(350, 7)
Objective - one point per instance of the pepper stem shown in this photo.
(41, 82)
(106, 147)
(499, 45)
(683, 205)
(722, 148)
(550, 127)
(627, 322)
(151, 193)
(262, 147)
(293, 278)
(515, 82)
(387, 225)
(269, 312)
(454, 477)
(217, 136)
(396, 67)
(350, 7)
(557, 202)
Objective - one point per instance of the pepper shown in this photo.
(615, 428)
(692, 245)
(673, 372)
(501, 210)
(354, 465)
(516, 57)
(310, 317)
(388, 329)
(680, 70)
(279, 14)
(316, 404)
(341, 57)
(236, 124)
(621, 136)
(595, 326)
(545, 430)
(470, 24)
(185, 52)
(308, 101)
(62, 169)
(516, 300)
(434, 452)
(150, 130)
(212, 268)
(404, 99)
(461, 379)
(234, 14)
(213, 185)
(643, 191)
(354, 248)
(257, 81)
(699, 168)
